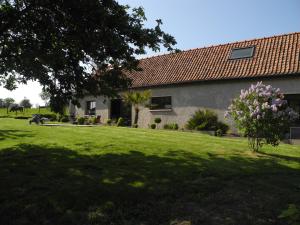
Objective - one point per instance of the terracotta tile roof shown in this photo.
(273, 56)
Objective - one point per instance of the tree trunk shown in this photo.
(136, 116)
(254, 143)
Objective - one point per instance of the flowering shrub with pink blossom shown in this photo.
(262, 114)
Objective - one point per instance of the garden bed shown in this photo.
(65, 125)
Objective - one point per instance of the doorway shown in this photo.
(119, 108)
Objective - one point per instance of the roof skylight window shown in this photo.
(241, 53)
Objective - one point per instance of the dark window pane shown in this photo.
(161, 102)
(90, 108)
(239, 53)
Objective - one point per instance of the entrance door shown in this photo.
(119, 108)
(115, 108)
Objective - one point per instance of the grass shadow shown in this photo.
(14, 134)
(284, 157)
(43, 185)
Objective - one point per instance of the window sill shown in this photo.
(160, 110)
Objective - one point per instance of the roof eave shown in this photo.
(264, 77)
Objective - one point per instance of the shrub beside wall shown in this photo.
(50, 116)
(81, 120)
(157, 121)
(153, 126)
(108, 122)
(121, 122)
(171, 126)
(206, 120)
(65, 119)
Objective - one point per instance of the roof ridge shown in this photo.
(224, 44)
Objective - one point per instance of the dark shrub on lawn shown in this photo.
(22, 117)
(202, 120)
(223, 127)
(65, 119)
(153, 126)
(59, 117)
(218, 133)
(202, 126)
(94, 120)
(109, 121)
(206, 120)
(50, 116)
(81, 120)
(121, 122)
(89, 121)
(171, 126)
(6, 116)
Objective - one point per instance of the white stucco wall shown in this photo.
(188, 98)
(102, 107)
(213, 95)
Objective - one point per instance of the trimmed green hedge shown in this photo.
(171, 126)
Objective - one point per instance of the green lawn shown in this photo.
(126, 176)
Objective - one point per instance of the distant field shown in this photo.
(27, 112)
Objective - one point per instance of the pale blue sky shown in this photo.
(198, 23)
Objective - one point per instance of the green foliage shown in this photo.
(171, 126)
(121, 122)
(59, 117)
(45, 96)
(65, 119)
(291, 215)
(7, 102)
(27, 112)
(89, 120)
(2, 105)
(157, 120)
(94, 120)
(206, 120)
(202, 126)
(203, 120)
(50, 116)
(219, 133)
(109, 121)
(136, 99)
(153, 126)
(25, 103)
(222, 127)
(81, 120)
(55, 40)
